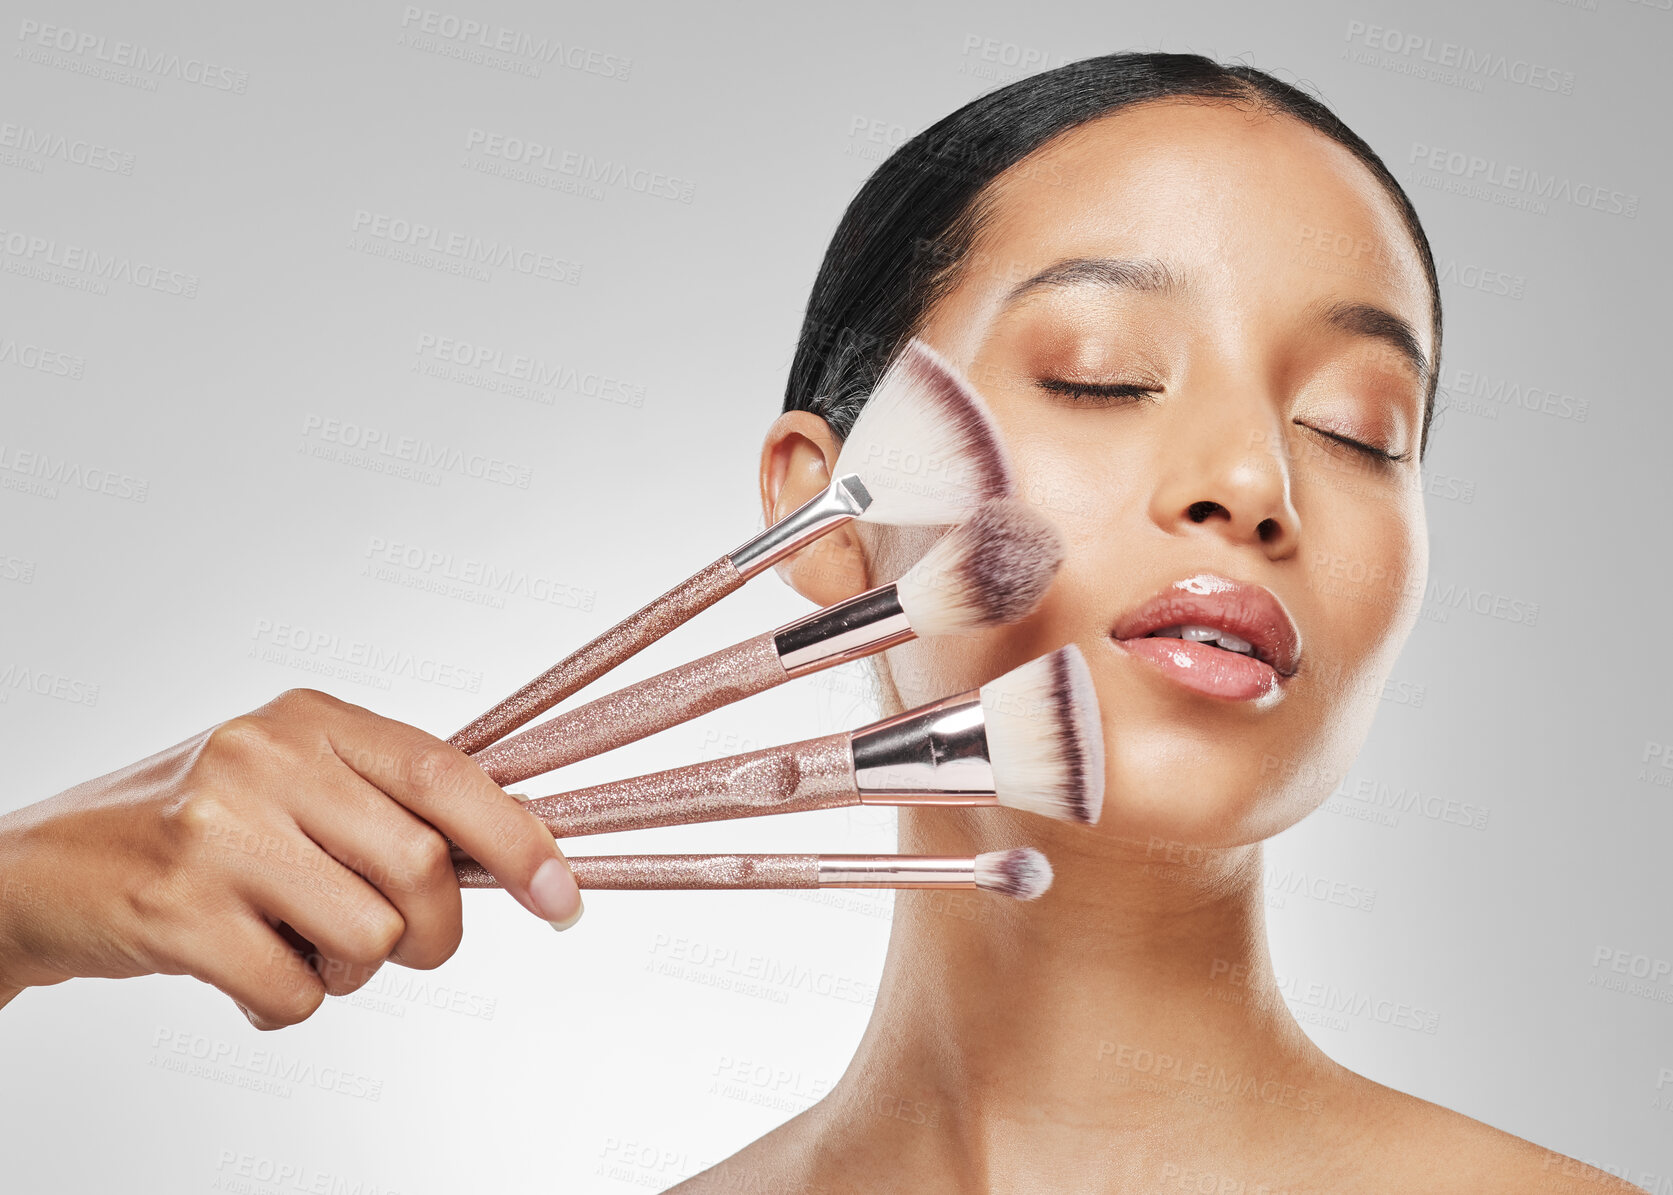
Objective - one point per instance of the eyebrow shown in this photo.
(1148, 274)
(1122, 273)
(1367, 319)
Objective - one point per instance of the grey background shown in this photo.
(665, 1032)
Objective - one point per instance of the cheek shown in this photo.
(1366, 564)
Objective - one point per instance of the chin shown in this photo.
(1186, 769)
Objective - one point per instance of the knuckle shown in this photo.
(441, 768)
(238, 741)
(420, 861)
(202, 816)
(438, 943)
(290, 1003)
(342, 976)
(376, 933)
(302, 701)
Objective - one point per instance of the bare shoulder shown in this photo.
(1423, 1146)
(791, 1160)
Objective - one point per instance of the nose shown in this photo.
(1226, 471)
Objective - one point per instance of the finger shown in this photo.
(249, 961)
(440, 784)
(348, 924)
(401, 855)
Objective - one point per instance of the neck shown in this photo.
(1136, 995)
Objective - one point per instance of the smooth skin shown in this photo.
(282, 856)
(1125, 1032)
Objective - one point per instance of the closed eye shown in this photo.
(1370, 450)
(1096, 394)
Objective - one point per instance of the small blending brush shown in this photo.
(1031, 739)
(989, 571)
(1021, 872)
(924, 450)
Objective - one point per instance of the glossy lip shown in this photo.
(1251, 612)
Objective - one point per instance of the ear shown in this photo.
(796, 462)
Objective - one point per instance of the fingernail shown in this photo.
(580, 908)
(555, 896)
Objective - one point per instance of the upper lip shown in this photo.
(1251, 612)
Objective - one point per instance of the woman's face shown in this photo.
(1178, 314)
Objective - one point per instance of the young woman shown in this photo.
(1206, 318)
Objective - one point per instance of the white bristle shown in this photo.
(989, 571)
(1046, 737)
(1022, 872)
(924, 444)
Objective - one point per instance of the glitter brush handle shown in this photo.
(845, 498)
(637, 711)
(620, 643)
(815, 774)
(666, 872)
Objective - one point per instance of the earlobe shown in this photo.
(796, 461)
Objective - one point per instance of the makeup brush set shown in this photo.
(923, 452)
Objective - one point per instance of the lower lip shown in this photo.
(1211, 670)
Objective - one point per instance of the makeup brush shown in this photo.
(989, 571)
(1021, 872)
(1030, 740)
(924, 450)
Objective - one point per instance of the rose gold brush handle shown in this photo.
(652, 872)
(843, 499)
(621, 642)
(637, 711)
(816, 774)
(661, 872)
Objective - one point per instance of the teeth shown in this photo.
(1201, 634)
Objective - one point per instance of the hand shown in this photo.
(281, 856)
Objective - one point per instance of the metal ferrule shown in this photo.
(934, 755)
(845, 498)
(850, 630)
(912, 871)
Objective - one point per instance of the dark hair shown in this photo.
(901, 241)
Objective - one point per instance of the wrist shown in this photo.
(12, 893)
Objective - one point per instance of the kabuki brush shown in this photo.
(987, 572)
(1031, 739)
(1021, 872)
(924, 450)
